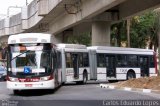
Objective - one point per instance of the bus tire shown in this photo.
(62, 83)
(112, 81)
(85, 77)
(130, 75)
(15, 92)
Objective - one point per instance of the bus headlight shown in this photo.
(12, 79)
(46, 78)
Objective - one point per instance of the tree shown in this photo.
(84, 38)
(142, 31)
(128, 32)
(118, 32)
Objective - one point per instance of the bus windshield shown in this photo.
(30, 60)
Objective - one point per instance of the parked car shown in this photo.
(3, 71)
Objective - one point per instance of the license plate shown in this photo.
(28, 85)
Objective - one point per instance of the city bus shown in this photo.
(32, 62)
(118, 63)
(75, 63)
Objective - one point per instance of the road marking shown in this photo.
(147, 90)
(127, 89)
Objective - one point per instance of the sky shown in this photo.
(4, 4)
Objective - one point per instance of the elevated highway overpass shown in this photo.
(72, 17)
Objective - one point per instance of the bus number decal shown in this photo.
(69, 71)
(123, 70)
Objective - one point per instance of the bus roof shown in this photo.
(120, 50)
(74, 46)
(29, 38)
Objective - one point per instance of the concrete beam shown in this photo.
(107, 16)
(133, 7)
(88, 10)
(82, 28)
(57, 38)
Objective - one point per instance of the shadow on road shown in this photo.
(36, 92)
(88, 83)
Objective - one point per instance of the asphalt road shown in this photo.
(73, 95)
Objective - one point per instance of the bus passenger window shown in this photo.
(59, 59)
(121, 60)
(85, 60)
(132, 61)
(80, 60)
(152, 64)
(101, 60)
(69, 63)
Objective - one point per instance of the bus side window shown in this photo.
(121, 60)
(85, 60)
(101, 60)
(107, 61)
(69, 63)
(80, 59)
(54, 60)
(59, 59)
(152, 64)
(132, 60)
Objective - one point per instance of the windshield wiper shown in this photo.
(20, 54)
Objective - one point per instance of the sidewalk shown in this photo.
(146, 85)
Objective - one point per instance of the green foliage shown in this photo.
(143, 29)
(84, 38)
(118, 32)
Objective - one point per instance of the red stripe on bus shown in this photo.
(155, 61)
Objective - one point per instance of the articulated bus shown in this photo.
(33, 62)
(75, 63)
(117, 63)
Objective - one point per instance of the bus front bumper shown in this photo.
(31, 85)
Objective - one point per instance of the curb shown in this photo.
(129, 89)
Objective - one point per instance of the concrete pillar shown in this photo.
(62, 37)
(4, 39)
(57, 38)
(101, 33)
(67, 34)
(82, 28)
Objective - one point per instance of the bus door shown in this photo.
(144, 65)
(75, 65)
(110, 66)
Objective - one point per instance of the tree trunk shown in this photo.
(128, 32)
(159, 51)
(118, 35)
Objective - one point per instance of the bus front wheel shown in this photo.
(15, 92)
(130, 75)
(85, 77)
(112, 81)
